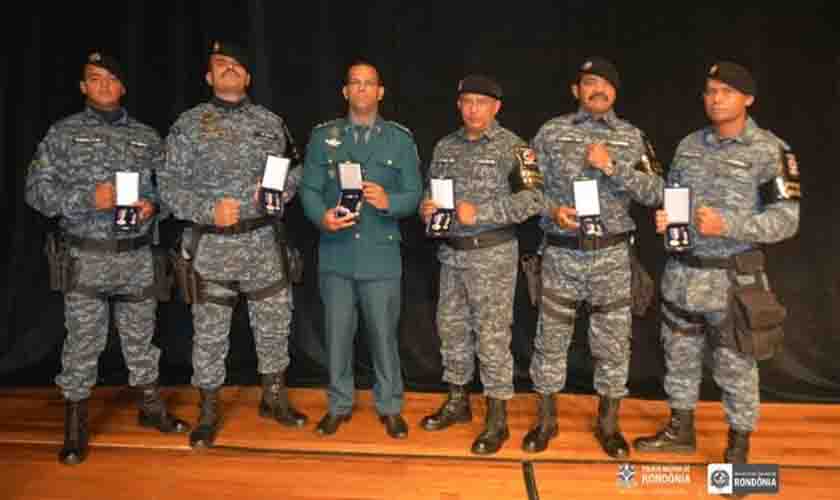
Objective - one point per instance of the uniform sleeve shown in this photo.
(148, 189)
(49, 188)
(544, 163)
(512, 208)
(177, 181)
(312, 182)
(771, 223)
(645, 188)
(406, 199)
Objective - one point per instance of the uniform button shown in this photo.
(358, 236)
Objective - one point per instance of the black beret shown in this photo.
(733, 75)
(106, 62)
(601, 67)
(480, 84)
(232, 50)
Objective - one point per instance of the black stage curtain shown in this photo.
(300, 53)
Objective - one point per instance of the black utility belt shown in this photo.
(112, 246)
(243, 226)
(733, 262)
(587, 244)
(483, 240)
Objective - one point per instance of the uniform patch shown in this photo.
(790, 165)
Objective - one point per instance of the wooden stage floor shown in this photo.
(257, 458)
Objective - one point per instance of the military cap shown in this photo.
(107, 62)
(232, 50)
(480, 84)
(733, 75)
(601, 67)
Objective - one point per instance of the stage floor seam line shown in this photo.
(403, 456)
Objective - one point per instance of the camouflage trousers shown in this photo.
(270, 322)
(735, 373)
(87, 321)
(601, 278)
(474, 315)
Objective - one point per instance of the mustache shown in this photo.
(598, 94)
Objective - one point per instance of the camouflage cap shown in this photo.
(107, 62)
(480, 84)
(601, 67)
(231, 50)
(733, 75)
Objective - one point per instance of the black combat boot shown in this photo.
(677, 437)
(275, 401)
(153, 411)
(204, 434)
(546, 429)
(737, 448)
(75, 449)
(495, 431)
(456, 409)
(607, 431)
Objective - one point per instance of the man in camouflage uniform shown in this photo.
(72, 177)
(479, 261)
(724, 164)
(216, 155)
(592, 143)
(359, 259)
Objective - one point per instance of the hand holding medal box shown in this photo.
(350, 189)
(273, 184)
(443, 194)
(678, 207)
(588, 208)
(126, 213)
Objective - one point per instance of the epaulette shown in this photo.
(327, 123)
(401, 127)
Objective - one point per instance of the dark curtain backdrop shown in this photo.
(300, 53)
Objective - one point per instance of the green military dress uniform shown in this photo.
(361, 265)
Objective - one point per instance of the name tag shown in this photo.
(87, 140)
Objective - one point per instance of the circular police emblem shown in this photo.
(95, 57)
(586, 66)
(713, 70)
(216, 46)
(720, 479)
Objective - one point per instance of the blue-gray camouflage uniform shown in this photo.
(600, 277)
(475, 306)
(723, 174)
(213, 152)
(78, 153)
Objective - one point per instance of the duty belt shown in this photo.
(483, 240)
(696, 262)
(115, 246)
(588, 244)
(243, 226)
